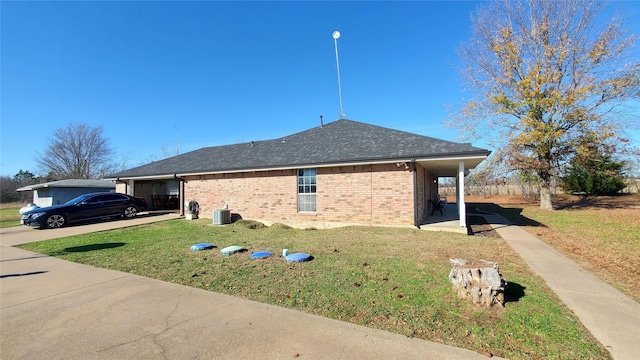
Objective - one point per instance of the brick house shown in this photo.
(342, 172)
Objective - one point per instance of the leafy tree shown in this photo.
(77, 152)
(24, 177)
(543, 74)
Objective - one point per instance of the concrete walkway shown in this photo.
(23, 234)
(54, 309)
(612, 317)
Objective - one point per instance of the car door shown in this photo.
(113, 204)
(87, 209)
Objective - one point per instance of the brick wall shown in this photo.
(263, 194)
(367, 194)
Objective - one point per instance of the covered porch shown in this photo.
(449, 221)
(454, 218)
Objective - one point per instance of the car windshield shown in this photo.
(78, 199)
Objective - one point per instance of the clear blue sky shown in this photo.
(206, 73)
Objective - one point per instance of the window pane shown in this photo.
(307, 203)
(307, 190)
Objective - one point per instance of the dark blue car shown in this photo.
(85, 207)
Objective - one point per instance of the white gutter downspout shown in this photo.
(462, 207)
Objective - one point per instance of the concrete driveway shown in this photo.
(54, 309)
(24, 234)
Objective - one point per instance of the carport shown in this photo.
(160, 193)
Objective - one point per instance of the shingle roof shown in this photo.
(341, 141)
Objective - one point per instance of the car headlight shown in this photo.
(37, 215)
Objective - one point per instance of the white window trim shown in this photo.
(313, 195)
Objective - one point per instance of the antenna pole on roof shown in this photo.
(335, 35)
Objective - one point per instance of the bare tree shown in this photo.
(172, 150)
(77, 152)
(544, 76)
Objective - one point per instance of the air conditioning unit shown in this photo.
(221, 217)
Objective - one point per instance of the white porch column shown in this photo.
(130, 187)
(457, 194)
(462, 207)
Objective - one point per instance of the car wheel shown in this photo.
(129, 212)
(55, 221)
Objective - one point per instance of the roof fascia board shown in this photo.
(145, 177)
(453, 158)
(42, 186)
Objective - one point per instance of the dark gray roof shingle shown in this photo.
(342, 141)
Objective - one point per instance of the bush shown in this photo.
(597, 175)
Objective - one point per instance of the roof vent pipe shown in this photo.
(321, 123)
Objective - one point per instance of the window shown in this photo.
(307, 190)
(112, 198)
(92, 200)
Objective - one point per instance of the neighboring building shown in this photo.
(344, 172)
(59, 192)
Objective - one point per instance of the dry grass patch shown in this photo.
(602, 234)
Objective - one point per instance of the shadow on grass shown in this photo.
(618, 201)
(92, 247)
(513, 214)
(85, 248)
(513, 292)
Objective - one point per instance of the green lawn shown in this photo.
(9, 216)
(386, 278)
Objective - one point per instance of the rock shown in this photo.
(479, 280)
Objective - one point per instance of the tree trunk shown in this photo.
(545, 196)
(479, 280)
